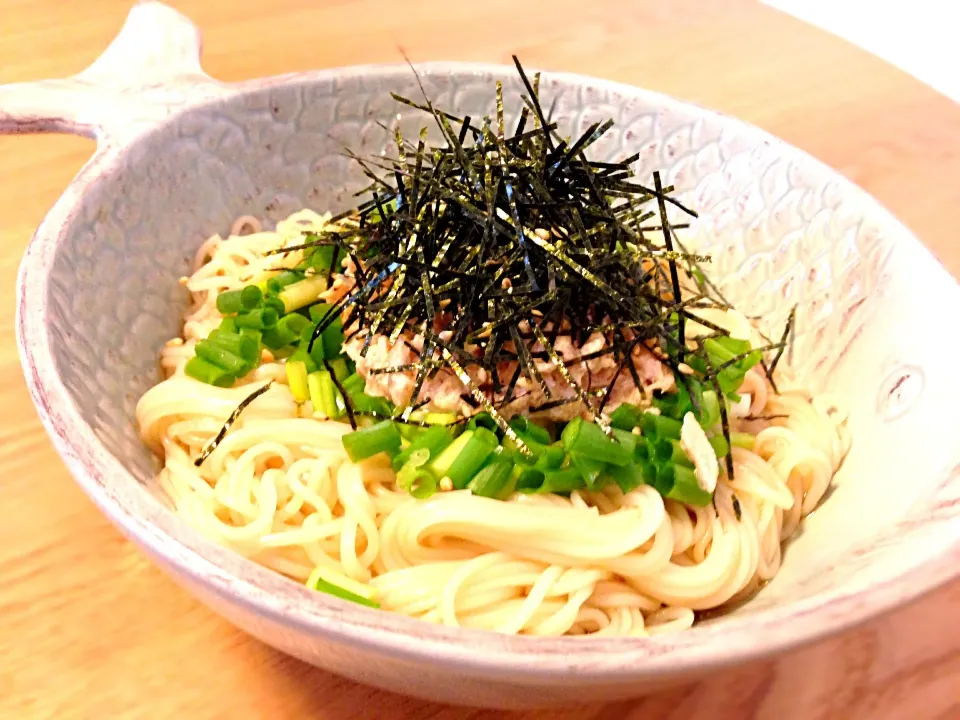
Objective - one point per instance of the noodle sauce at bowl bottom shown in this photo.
(181, 156)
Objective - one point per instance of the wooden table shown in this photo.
(89, 629)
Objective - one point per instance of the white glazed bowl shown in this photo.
(182, 155)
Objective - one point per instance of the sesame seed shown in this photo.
(446, 484)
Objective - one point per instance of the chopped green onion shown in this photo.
(441, 464)
(332, 339)
(305, 335)
(294, 322)
(493, 480)
(683, 487)
(323, 394)
(439, 418)
(354, 387)
(671, 405)
(246, 347)
(366, 442)
(669, 451)
(626, 439)
(552, 457)
(483, 419)
(275, 303)
(297, 378)
(341, 586)
(303, 293)
(278, 338)
(316, 352)
(589, 440)
(286, 332)
(321, 259)
(279, 281)
(589, 468)
(209, 373)
(710, 408)
(751, 360)
(234, 364)
(649, 472)
(300, 355)
(718, 352)
(731, 344)
(434, 440)
(354, 384)
(661, 426)
(743, 440)
(261, 318)
(417, 480)
(319, 311)
(643, 450)
(235, 301)
(253, 334)
(339, 367)
(561, 481)
(250, 297)
(229, 302)
(730, 380)
(719, 445)
(628, 477)
(263, 278)
(626, 417)
(471, 457)
(528, 479)
(227, 325)
(536, 449)
(525, 427)
(663, 479)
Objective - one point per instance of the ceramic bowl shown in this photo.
(181, 155)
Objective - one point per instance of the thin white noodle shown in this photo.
(280, 490)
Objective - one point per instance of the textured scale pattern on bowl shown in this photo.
(182, 155)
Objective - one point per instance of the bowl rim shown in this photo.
(521, 659)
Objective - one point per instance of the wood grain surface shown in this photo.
(89, 629)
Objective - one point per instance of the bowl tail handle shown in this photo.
(150, 69)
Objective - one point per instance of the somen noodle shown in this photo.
(487, 398)
(281, 490)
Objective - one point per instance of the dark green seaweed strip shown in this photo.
(212, 445)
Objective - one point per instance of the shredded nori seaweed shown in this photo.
(212, 445)
(490, 246)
